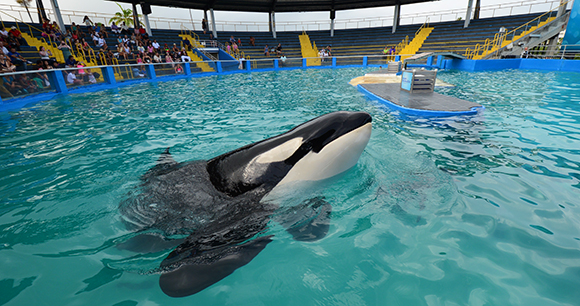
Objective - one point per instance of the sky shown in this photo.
(76, 9)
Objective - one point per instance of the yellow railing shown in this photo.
(501, 40)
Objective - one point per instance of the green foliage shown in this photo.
(125, 15)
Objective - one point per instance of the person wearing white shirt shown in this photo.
(71, 78)
(155, 44)
(101, 42)
(4, 50)
(3, 32)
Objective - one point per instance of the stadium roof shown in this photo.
(273, 5)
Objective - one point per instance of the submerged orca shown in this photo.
(218, 203)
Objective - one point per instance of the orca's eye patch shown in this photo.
(313, 145)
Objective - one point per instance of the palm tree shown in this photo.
(25, 3)
(125, 15)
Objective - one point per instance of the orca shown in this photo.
(212, 212)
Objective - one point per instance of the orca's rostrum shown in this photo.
(218, 202)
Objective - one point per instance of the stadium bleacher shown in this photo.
(446, 36)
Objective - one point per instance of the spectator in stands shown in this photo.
(525, 53)
(252, 41)
(44, 66)
(18, 36)
(178, 68)
(235, 48)
(150, 48)
(100, 29)
(12, 42)
(44, 54)
(392, 51)
(184, 56)
(283, 59)
(128, 50)
(204, 26)
(124, 28)
(267, 51)
(140, 48)
(87, 21)
(115, 29)
(126, 40)
(74, 27)
(157, 58)
(13, 86)
(3, 32)
(175, 48)
(27, 83)
(17, 59)
(228, 48)
(147, 58)
(169, 59)
(91, 77)
(85, 45)
(41, 81)
(329, 50)
(70, 62)
(46, 25)
(71, 78)
(102, 43)
(279, 49)
(239, 42)
(155, 44)
(5, 64)
(54, 28)
(95, 37)
(49, 35)
(133, 39)
(65, 48)
(187, 44)
(3, 48)
(143, 33)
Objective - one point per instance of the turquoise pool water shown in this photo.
(461, 211)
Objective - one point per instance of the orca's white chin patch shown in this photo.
(336, 157)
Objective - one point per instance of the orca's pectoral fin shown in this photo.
(309, 221)
(209, 268)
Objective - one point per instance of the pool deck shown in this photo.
(382, 76)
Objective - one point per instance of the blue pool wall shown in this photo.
(439, 63)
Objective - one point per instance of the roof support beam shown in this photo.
(214, 31)
(273, 24)
(468, 13)
(397, 17)
(58, 15)
(135, 16)
(332, 16)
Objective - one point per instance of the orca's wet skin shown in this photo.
(218, 202)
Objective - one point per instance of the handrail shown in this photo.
(538, 19)
(501, 38)
(492, 10)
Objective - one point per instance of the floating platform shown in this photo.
(428, 104)
(382, 77)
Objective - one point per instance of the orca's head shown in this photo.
(320, 148)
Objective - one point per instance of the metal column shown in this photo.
(214, 31)
(468, 13)
(135, 16)
(147, 26)
(397, 17)
(273, 14)
(332, 16)
(58, 15)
